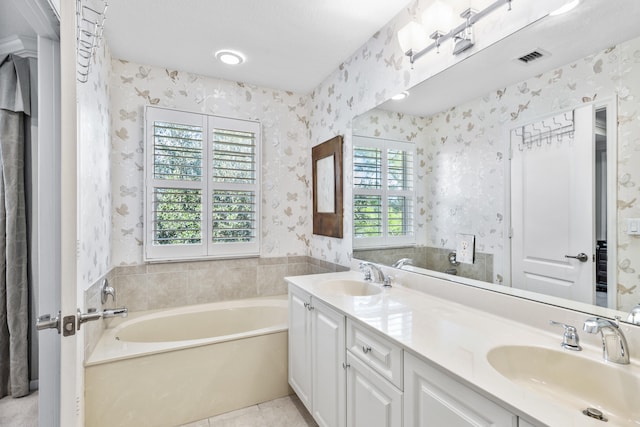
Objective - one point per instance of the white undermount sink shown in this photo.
(572, 380)
(352, 288)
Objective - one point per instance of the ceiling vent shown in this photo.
(534, 56)
(530, 57)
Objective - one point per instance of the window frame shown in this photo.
(206, 249)
(385, 240)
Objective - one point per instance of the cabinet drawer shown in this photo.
(376, 351)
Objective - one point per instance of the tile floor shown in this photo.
(22, 412)
(285, 412)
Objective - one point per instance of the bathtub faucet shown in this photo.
(93, 314)
(114, 312)
(105, 291)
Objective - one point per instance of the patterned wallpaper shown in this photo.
(286, 207)
(379, 70)
(461, 153)
(94, 184)
(294, 122)
(465, 142)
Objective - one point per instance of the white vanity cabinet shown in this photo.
(374, 379)
(433, 399)
(317, 357)
(372, 401)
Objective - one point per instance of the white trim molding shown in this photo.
(24, 46)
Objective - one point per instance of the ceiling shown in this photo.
(12, 23)
(593, 26)
(289, 44)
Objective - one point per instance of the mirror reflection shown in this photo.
(513, 172)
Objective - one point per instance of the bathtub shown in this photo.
(172, 367)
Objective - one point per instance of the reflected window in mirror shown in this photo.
(383, 197)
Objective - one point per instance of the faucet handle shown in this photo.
(366, 271)
(570, 338)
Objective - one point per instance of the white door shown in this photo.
(372, 401)
(71, 351)
(552, 213)
(46, 251)
(60, 355)
(328, 355)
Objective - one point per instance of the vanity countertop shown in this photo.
(456, 339)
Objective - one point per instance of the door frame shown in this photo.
(71, 347)
(611, 104)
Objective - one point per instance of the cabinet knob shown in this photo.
(345, 365)
(366, 349)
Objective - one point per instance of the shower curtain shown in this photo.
(14, 305)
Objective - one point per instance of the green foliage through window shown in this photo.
(382, 191)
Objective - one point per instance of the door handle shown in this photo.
(582, 257)
(47, 322)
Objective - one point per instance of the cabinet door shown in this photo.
(300, 345)
(433, 399)
(328, 355)
(372, 401)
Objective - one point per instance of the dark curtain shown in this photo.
(14, 296)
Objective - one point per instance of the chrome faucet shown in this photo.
(93, 314)
(105, 291)
(402, 262)
(115, 312)
(374, 273)
(634, 315)
(570, 338)
(614, 344)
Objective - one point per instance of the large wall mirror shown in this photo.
(517, 169)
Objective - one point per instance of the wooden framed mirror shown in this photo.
(327, 188)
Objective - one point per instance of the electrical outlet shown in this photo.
(633, 226)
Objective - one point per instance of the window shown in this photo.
(202, 186)
(382, 192)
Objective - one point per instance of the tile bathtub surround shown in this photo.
(432, 259)
(92, 299)
(164, 285)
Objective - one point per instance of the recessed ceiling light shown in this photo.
(400, 96)
(230, 57)
(566, 8)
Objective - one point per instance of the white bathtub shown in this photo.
(171, 367)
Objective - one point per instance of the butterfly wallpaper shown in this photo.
(461, 155)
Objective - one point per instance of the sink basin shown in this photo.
(351, 288)
(572, 380)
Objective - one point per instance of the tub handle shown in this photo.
(366, 349)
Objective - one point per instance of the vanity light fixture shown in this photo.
(462, 35)
(229, 57)
(566, 8)
(464, 39)
(400, 96)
